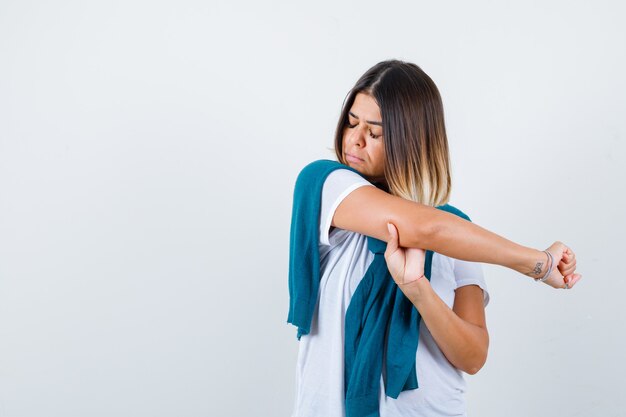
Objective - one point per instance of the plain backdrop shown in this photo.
(148, 153)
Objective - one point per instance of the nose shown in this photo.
(356, 136)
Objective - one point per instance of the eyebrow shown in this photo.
(367, 121)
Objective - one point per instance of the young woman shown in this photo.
(392, 140)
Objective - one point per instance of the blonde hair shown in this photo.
(417, 160)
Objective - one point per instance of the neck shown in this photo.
(381, 185)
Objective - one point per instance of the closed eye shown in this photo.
(373, 136)
(352, 126)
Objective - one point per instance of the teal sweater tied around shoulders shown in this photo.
(379, 314)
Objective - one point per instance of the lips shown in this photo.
(353, 158)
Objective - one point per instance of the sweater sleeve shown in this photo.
(337, 186)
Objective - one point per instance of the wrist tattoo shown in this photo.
(537, 269)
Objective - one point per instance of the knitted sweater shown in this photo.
(379, 314)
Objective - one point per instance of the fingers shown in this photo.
(571, 280)
(392, 244)
(556, 280)
(564, 275)
(567, 265)
(567, 269)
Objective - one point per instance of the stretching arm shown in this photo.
(367, 210)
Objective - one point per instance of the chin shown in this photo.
(360, 170)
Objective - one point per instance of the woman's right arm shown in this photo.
(367, 210)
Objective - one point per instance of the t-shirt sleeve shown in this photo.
(470, 273)
(337, 186)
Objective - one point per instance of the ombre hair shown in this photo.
(417, 161)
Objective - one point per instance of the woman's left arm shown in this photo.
(460, 332)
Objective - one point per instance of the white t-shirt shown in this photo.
(344, 259)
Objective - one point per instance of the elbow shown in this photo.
(477, 363)
(419, 226)
(473, 370)
(426, 234)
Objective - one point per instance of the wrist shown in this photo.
(416, 291)
(535, 264)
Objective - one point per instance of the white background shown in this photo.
(148, 153)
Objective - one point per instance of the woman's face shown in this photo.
(363, 147)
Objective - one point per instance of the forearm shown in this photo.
(464, 344)
(455, 237)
